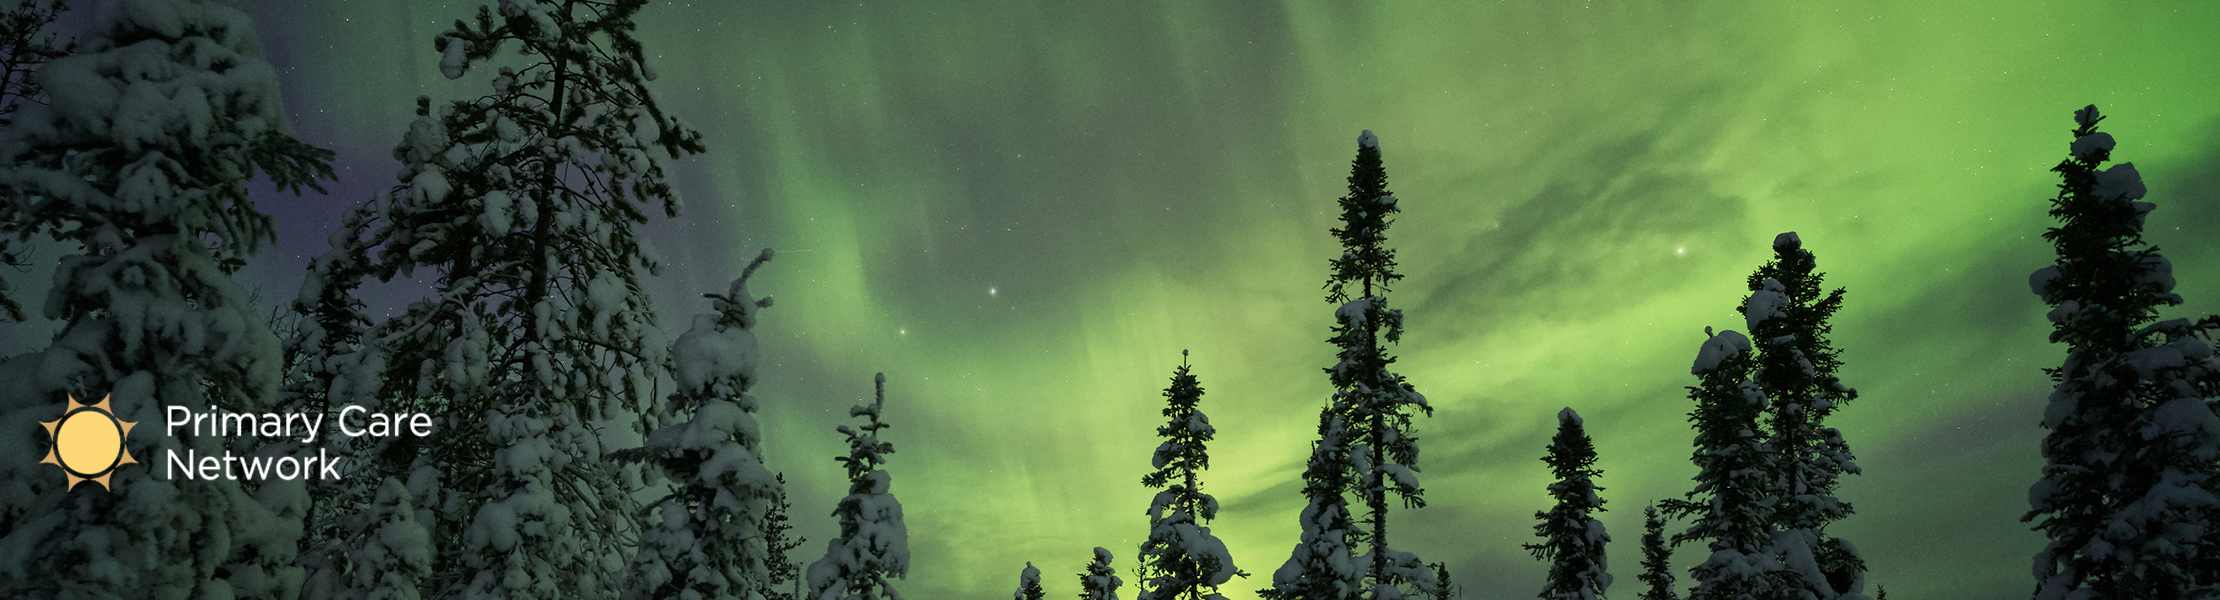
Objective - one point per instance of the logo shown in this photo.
(88, 442)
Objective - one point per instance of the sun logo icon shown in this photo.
(88, 442)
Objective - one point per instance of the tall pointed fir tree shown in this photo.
(522, 203)
(1573, 539)
(1029, 584)
(27, 41)
(1181, 560)
(874, 544)
(705, 539)
(1100, 581)
(1787, 312)
(1657, 560)
(1365, 445)
(2127, 494)
(1732, 504)
(139, 162)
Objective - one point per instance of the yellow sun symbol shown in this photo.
(88, 442)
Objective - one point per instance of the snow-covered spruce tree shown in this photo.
(393, 562)
(1657, 560)
(2127, 496)
(1732, 504)
(26, 42)
(1787, 312)
(1099, 581)
(874, 544)
(1029, 584)
(1365, 429)
(1181, 560)
(777, 544)
(522, 204)
(1573, 539)
(704, 540)
(140, 159)
(1322, 567)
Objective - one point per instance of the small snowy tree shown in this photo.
(1573, 538)
(1181, 560)
(1322, 566)
(777, 544)
(1365, 442)
(1787, 312)
(140, 160)
(1443, 589)
(1733, 500)
(2133, 450)
(1029, 584)
(393, 558)
(522, 203)
(708, 543)
(1099, 581)
(874, 544)
(1657, 560)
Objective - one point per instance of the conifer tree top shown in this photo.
(1366, 261)
(1029, 584)
(2107, 279)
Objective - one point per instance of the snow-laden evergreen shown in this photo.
(1443, 588)
(1322, 565)
(1365, 444)
(395, 555)
(2133, 450)
(1029, 584)
(1181, 559)
(521, 204)
(705, 539)
(1731, 507)
(138, 164)
(874, 544)
(1657, 560)
(1573, 538)
(1100, 581)
(1787, 313)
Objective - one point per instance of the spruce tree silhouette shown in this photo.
(1787, 312)
(1181, 560)
(1657, 560)
(1573, 538)
(2133, 450)
(1365, 444)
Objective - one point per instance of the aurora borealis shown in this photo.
(1022, 212)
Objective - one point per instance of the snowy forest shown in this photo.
(772, 301)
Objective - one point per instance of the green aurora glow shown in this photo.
(1585, 188)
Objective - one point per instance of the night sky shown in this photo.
(1022, 212)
